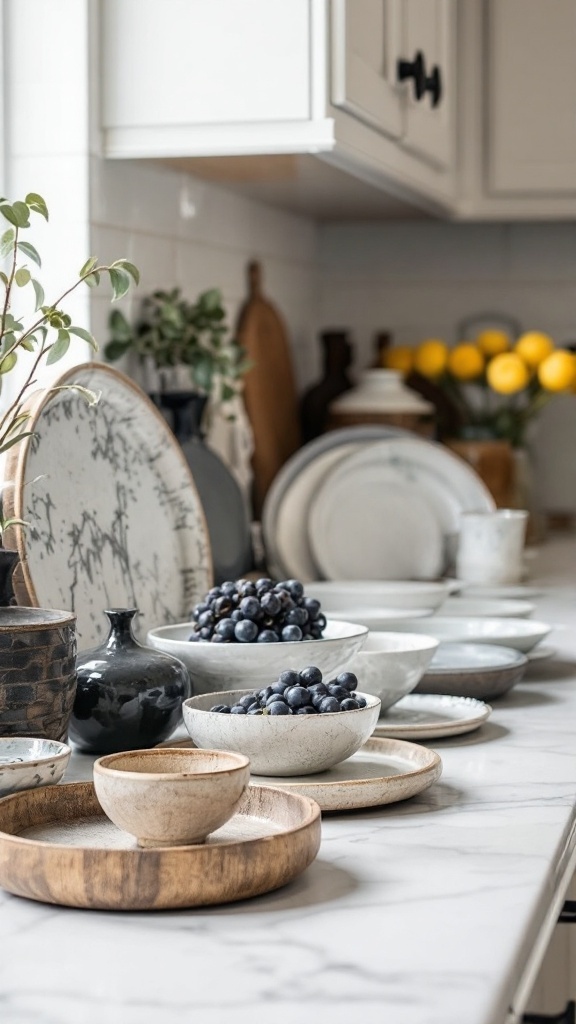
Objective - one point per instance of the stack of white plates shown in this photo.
(370, 503)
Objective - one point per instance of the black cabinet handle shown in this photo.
(434, 85)
(415, 69)
(568, 913)
(566, 1016)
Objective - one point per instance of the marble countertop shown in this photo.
(424, 912)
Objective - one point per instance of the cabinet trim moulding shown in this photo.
(160, 141)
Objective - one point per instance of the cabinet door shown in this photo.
(429, 27)
(365, 45)
(531, 83)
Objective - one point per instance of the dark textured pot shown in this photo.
(8, 562)
(37, 672)
(128, 696)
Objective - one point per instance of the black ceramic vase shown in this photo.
(128, 696)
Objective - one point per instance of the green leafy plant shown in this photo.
(50, 333)
(174, 332)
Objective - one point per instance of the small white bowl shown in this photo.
(280, 745)
(214, 667)
(170, 796)
(340, 595)
(390, 665)
(28, 763)
(523, 634)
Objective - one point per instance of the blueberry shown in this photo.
(255, 710)
(291, 634)
(318, 690)
(214, 592)
(264, 584)
(297, 696)
(264, 693)
(222, 607)
(221, 708)
(279, 687)
(268, 636)
(254, 706)
(237, 709)
(295, 588)
(297, 617)
(199, 609)
(206, 632)
(310, 676)
(328, 705)
(250, 607)
(306, 710)
(320, 621)
(278, 708)
(246, 631)
(217, 639)
(193, 638)
(270, 603)
(225, 628)
(361, 701)
(289, 677)
(348, 704)
(228, 588)
(312, 606)
(348, 680)
(276, 697)
(236, 615)
(317, 699)
(206, 619)
(340, 692)
(247, 700)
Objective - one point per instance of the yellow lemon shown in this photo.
(558, 371)
(533, 347)
(401, 357)
(466, 361)
(507, 373)
(430, 357)
(492, 342)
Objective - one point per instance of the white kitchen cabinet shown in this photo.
(193, 80)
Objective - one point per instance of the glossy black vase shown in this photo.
(8, 562)
(128, 696)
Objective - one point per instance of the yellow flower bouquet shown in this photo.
(494, 385)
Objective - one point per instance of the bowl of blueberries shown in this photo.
(243, 633)
(301, 723)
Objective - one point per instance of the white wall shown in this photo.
(419, 279)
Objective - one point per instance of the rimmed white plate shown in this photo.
(115, 518)
(483, 606)
(391, 511)
(284, 515)
(421, 716)
(483, 671)
(542, 652)
(519, 591)
(383, 771)
(339, 595)
(523, 634)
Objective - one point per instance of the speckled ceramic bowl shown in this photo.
(390, 664)
(170, 796)
(284, 744)
(216, 667)
(27, 762)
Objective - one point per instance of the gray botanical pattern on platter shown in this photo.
(115, 519)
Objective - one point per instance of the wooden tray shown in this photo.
(57, 846)
(383, 771)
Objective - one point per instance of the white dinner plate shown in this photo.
(284, 515)
(483, 671)
(114, 516)
(517, 591)
(422, 716)
(391, 511)
(339, 595)
(523, 634)
(383, 771)
(379, 619)
(475, 607)
(542, 652)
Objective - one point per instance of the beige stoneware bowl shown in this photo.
(217, 667)
(390, 665)
(280, 745)
(170, 796)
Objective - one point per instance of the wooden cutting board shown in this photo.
(270, 392)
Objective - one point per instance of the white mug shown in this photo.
(490, 546)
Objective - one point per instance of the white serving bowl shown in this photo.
(340, 595)
(522, 634)
(376, 619)
(215, 667)
(170, 796)
(280, 745)
(390, 665)
(27, 763)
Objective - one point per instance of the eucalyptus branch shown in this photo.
(9, 284)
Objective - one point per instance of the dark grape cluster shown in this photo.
(299, 693)
(259, 611)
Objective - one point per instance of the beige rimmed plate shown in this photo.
(383, 771)
(57, 846)
(424, 716)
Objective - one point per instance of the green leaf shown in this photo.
(7, 242)
(91, 262)
(39, 293)
(227, 392)
(93, 280)
(85, 335)
(59, 348)
(8, 362)
(35, 202)
(8, 444)
(120, 281)
(129, 268)
(31, 252)
(8, 340)
(28, 343)
(116, 349)
(3, 278)
(16, 214)
(18, 422)
(11, 324)
(22, 276)
(119, 326)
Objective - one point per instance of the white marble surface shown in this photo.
(419, 913)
